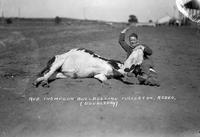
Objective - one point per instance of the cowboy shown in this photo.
(145, 74)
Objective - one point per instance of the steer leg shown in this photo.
(102, 78)
(60, 76)
(55, 66)
(67, 73)
(44, 80)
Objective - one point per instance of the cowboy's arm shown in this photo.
(122, 41)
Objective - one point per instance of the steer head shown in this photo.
(133, 62)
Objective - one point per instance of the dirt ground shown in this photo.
(65, 109)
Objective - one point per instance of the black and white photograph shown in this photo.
(99, 68)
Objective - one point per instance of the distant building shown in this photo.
(171, 21)
(164, 20)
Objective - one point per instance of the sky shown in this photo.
(108, 10)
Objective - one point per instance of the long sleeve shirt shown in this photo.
(124, 45)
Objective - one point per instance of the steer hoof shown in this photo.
(45, 84)
(35, 84)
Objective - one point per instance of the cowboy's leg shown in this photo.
(144, 68)
(148, 75)
(152, 79)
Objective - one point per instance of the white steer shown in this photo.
(83, 63)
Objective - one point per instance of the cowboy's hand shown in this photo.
(125, 30)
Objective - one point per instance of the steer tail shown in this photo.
(48, 66)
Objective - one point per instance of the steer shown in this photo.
(83, 63)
